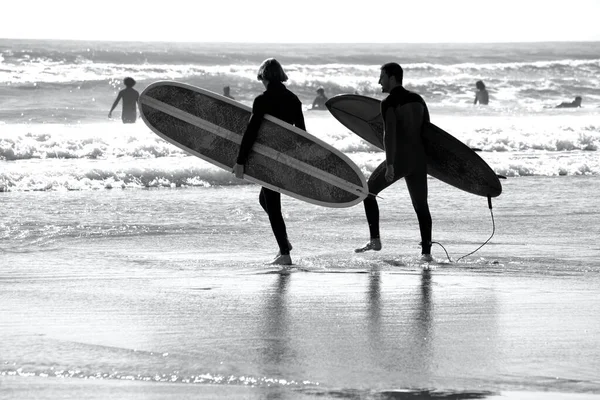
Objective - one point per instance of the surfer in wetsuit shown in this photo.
(404, 113)
(130, 97)
(281, 103)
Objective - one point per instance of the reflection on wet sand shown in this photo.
(405, 331)
(408, 332)
(423, 334)
(275, 348)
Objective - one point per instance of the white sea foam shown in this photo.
(54, 132)
(112, 155)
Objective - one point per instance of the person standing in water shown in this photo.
(319, 101)
(281, 103)
(404, 114)
(482, 96)
(130, 97)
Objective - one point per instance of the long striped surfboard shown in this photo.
(284, 158)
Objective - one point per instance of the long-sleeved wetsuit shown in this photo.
(279, 102)
(410, 162)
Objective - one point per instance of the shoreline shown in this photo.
(66, 389)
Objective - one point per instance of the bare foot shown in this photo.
(284, 259)
(374, 244)
(427, 258)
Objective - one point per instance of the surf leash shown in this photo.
(491, 236)
(449, 259)
(484, 243)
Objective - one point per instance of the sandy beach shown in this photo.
(193, 313)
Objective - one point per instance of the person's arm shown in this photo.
(115, 104)
(476, 98)
(249, 138)
(390, 142)
(299, 118)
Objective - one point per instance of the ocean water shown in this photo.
(55, 96)
(129, 269)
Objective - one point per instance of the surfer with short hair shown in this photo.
(130, 97)
(404, 113)
(277, 100)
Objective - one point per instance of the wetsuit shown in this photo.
(279, 102)
(410, 163)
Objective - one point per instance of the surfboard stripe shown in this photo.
(257, 147)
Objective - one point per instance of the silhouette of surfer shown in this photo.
(226, 92)
(130, 97)
(573, 104)
(281, 103)
(319, 101)
(482, 96)
(404, 114)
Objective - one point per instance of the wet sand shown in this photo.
(454, 329)
(152, 304)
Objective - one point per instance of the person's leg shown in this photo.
(417, 188)
(377, 183)
(271, 203)
(263, 203)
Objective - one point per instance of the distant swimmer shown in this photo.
(226, 93)
(404, 114)
(130, 97)
(281, 103)
(574, 104)
(482, 96)
(319, 102)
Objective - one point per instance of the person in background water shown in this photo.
(226, 90)
(319, 102)
(281, 103)
(574, 104)
(404, 114)
(130, 97)
(482, 96)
